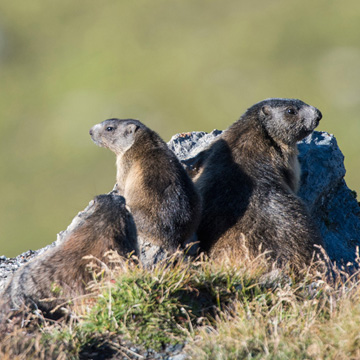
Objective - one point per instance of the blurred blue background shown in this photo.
(175, 65)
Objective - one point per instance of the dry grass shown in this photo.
(221, 310)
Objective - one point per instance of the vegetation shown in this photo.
(218, 310)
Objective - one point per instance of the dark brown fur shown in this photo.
(61, 272)
(161, 196)
(248, 184)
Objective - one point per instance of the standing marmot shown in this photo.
(60, 273)
(160, 194)
(248, 181)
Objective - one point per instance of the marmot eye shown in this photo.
(109, 128)
(291, 111)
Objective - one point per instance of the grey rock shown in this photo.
(323, 189)
(9, 265)
(332, 204)
(77, 221)
(178, 357)
(188, 145)
(151, 254)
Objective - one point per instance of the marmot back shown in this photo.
(61, 272)
(248, 184)
(161, 196)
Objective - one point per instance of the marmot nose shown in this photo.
(319, 115)
(91, 132)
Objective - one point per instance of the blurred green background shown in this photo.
(176, 65)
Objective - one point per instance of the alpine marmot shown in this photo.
(248, 182)
(160, 194)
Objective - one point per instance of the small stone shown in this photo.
(178, 357)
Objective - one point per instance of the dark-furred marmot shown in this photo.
(61, 272)
(248, 182)
(161, 196)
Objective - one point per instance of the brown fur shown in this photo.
(61, 272)
(248, 182)
(161, 196)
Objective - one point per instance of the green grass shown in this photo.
(144, 306)
(220, 310)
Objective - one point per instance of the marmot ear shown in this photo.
(266, 110)
(131, 129)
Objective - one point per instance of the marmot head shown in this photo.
(286, 121)
(115, 134)
(109, 217)
(104, 211)
(107, 208)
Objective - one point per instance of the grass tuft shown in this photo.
(144, 306)
(219, 309)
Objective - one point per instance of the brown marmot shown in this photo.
(248, 181)
(161, 196)
(61, 272)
